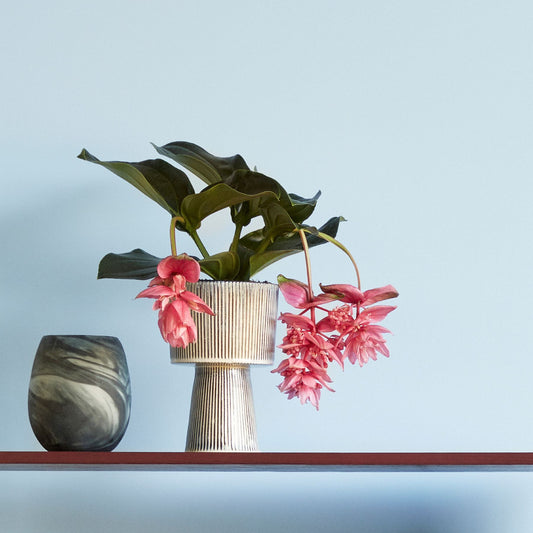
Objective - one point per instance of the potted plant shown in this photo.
(234, 317)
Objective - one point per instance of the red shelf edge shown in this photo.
(265, 461)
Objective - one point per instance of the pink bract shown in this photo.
(182, 264)
(176, 325)
(174, 302)
(352, 295)
(365, 343)
(302, 379)
(297, 294)
(297, 321)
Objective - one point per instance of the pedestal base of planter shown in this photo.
(222, 416)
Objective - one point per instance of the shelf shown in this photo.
(267, 461)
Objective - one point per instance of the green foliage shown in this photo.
(136, 264)
(230, 185)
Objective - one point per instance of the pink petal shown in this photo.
(344, 292)
(196, 303)
(295, 292)
(325, 325)
(375, 314)
(297, 321)
(156, 291)
(377, 295)
(182, 337)
(178, 283)
(318, 341)
(176, 325)
(183, 312)
(375, 330)
(181, 264)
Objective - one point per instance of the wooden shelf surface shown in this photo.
(268, 461)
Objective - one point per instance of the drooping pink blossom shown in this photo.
(348, 331)
(174, 302)
(365, 340)
(176, 324)
(310, 346)
(338, 319)
(365, 343)
(302, 379)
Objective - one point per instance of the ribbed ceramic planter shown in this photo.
(242, 333)
(79, 395)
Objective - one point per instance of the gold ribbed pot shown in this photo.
(242, 333)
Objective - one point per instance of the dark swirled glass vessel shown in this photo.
(79, 395)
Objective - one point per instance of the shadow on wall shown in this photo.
(253, 502)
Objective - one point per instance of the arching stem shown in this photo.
(173, 234)
(307, 261)
(193, 235)
(328, 238)
(305, 247)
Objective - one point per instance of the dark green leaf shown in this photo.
(157, 179)
(223, 266)
(302, 208)
(136, 264)
(329, 228)
(277, 221)
(292, 241)
(262, 260)
(209, 168)
(196, 207)
(253, 183)
(252, 260)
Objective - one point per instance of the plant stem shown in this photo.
(307, 261)
(173, 234)
(199, 243)
(192, 233)
(236, 237)
(328, 238)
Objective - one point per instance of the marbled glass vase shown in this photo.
(79, 396)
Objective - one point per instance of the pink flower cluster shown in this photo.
(348, 331)
(174, 302)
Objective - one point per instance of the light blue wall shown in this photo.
(414, 119)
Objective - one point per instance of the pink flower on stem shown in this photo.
(174, 302)
(305, 341)
(302, 379)
(305, 370)
(347, 331)
(365, 340)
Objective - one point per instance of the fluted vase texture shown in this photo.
(242, 333)
(79, 396)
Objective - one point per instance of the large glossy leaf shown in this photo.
(302, 208)
(292, 241)
(157, 179)
(277, 221)
(253, 183)
(196, 207)
(253, 261)
(136, 264)
(209, 168)
(258, 262)
(223, 266)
